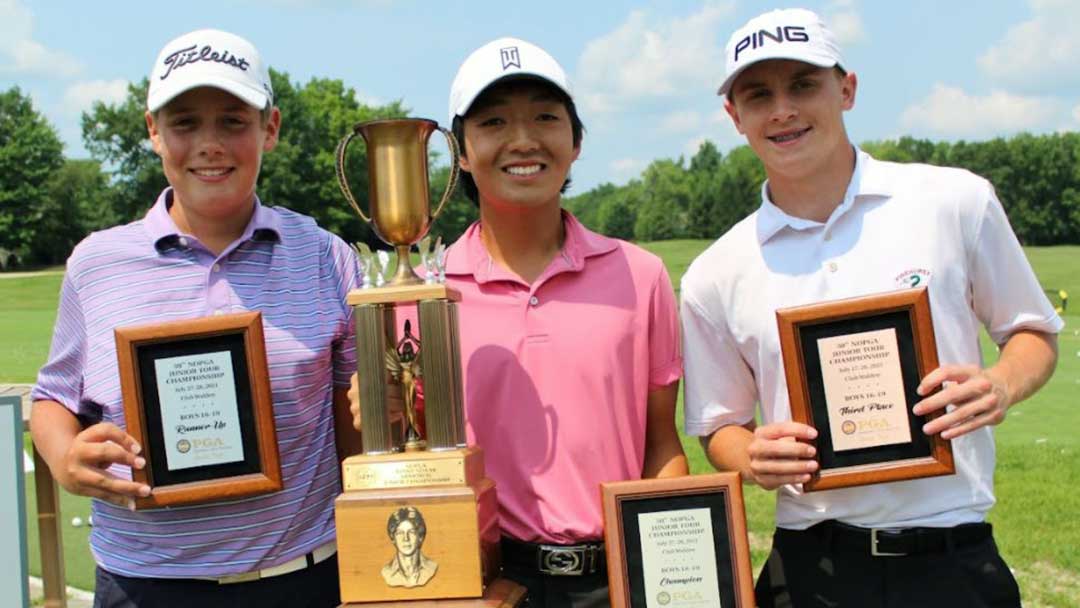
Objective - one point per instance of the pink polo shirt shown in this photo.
(557, 374)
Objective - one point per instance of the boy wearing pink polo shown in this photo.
(569, 339)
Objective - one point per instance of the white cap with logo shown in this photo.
(793, 33)
(210, 58)
(500, 59)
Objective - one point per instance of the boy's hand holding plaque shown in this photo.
(197, 399)
(852, 369)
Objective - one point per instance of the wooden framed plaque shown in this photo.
(197, 399)
(677, 542)
(852, 367)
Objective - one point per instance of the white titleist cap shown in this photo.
(793, 33)
(499, 59)
(210, 58)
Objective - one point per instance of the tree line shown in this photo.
(48, 203)
(1037, 178)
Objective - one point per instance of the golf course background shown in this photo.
(1037, 478)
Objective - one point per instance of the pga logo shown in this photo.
(758, 39)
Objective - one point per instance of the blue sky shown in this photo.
(644, 73)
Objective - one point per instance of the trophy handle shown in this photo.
(455, 154)
(343, 182)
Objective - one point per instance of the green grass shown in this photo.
(1037, 477)
(78, 562)
(1038, 472)
(1057, 268)
(27, 314)
(677, 255)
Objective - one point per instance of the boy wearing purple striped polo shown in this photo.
(207, 246)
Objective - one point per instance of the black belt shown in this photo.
(884, 542)
(554, 560)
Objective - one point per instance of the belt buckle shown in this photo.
(243, 577)
(561, 561)
(874, 545)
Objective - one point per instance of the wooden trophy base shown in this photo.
(501, 593)
(458, 545)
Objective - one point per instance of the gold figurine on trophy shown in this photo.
(404, 365)
(434, 471)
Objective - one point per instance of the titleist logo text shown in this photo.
(189, 55)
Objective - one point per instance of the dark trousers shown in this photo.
(547, 591)
(811, 569)
(313, 587)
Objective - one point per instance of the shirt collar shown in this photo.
(468, 256)
(868, 180)
(264, 226)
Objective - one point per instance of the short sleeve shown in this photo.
(344, 273)
(1006, 294)
(720, 388)
(61, 378)
(665, 350)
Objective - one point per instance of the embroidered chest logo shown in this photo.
(510, 57)
(913, 277)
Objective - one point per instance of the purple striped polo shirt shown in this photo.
(297, 276)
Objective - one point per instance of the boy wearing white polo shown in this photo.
(836, 223)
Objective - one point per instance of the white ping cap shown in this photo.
(500, 59)
(793, 33)
(210, 58)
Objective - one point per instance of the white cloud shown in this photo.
(721, 117)
(1040, 54)
(599, 103)
(950, 111)
(21, 54)
(680, 121)
(718, 129)
(648, 58)
(694, 144)
(1076, 114)
(79, 96)
(369, 100)
(845, 22)
(624, 169)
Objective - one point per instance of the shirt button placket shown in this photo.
(533, 323)
(217, 293)
(830, 265)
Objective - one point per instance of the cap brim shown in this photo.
(466, 103)
(257, 98)
(821, 62)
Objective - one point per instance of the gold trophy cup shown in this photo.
(398, 184)
(406, 490)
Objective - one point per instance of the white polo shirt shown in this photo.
(899, 225)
